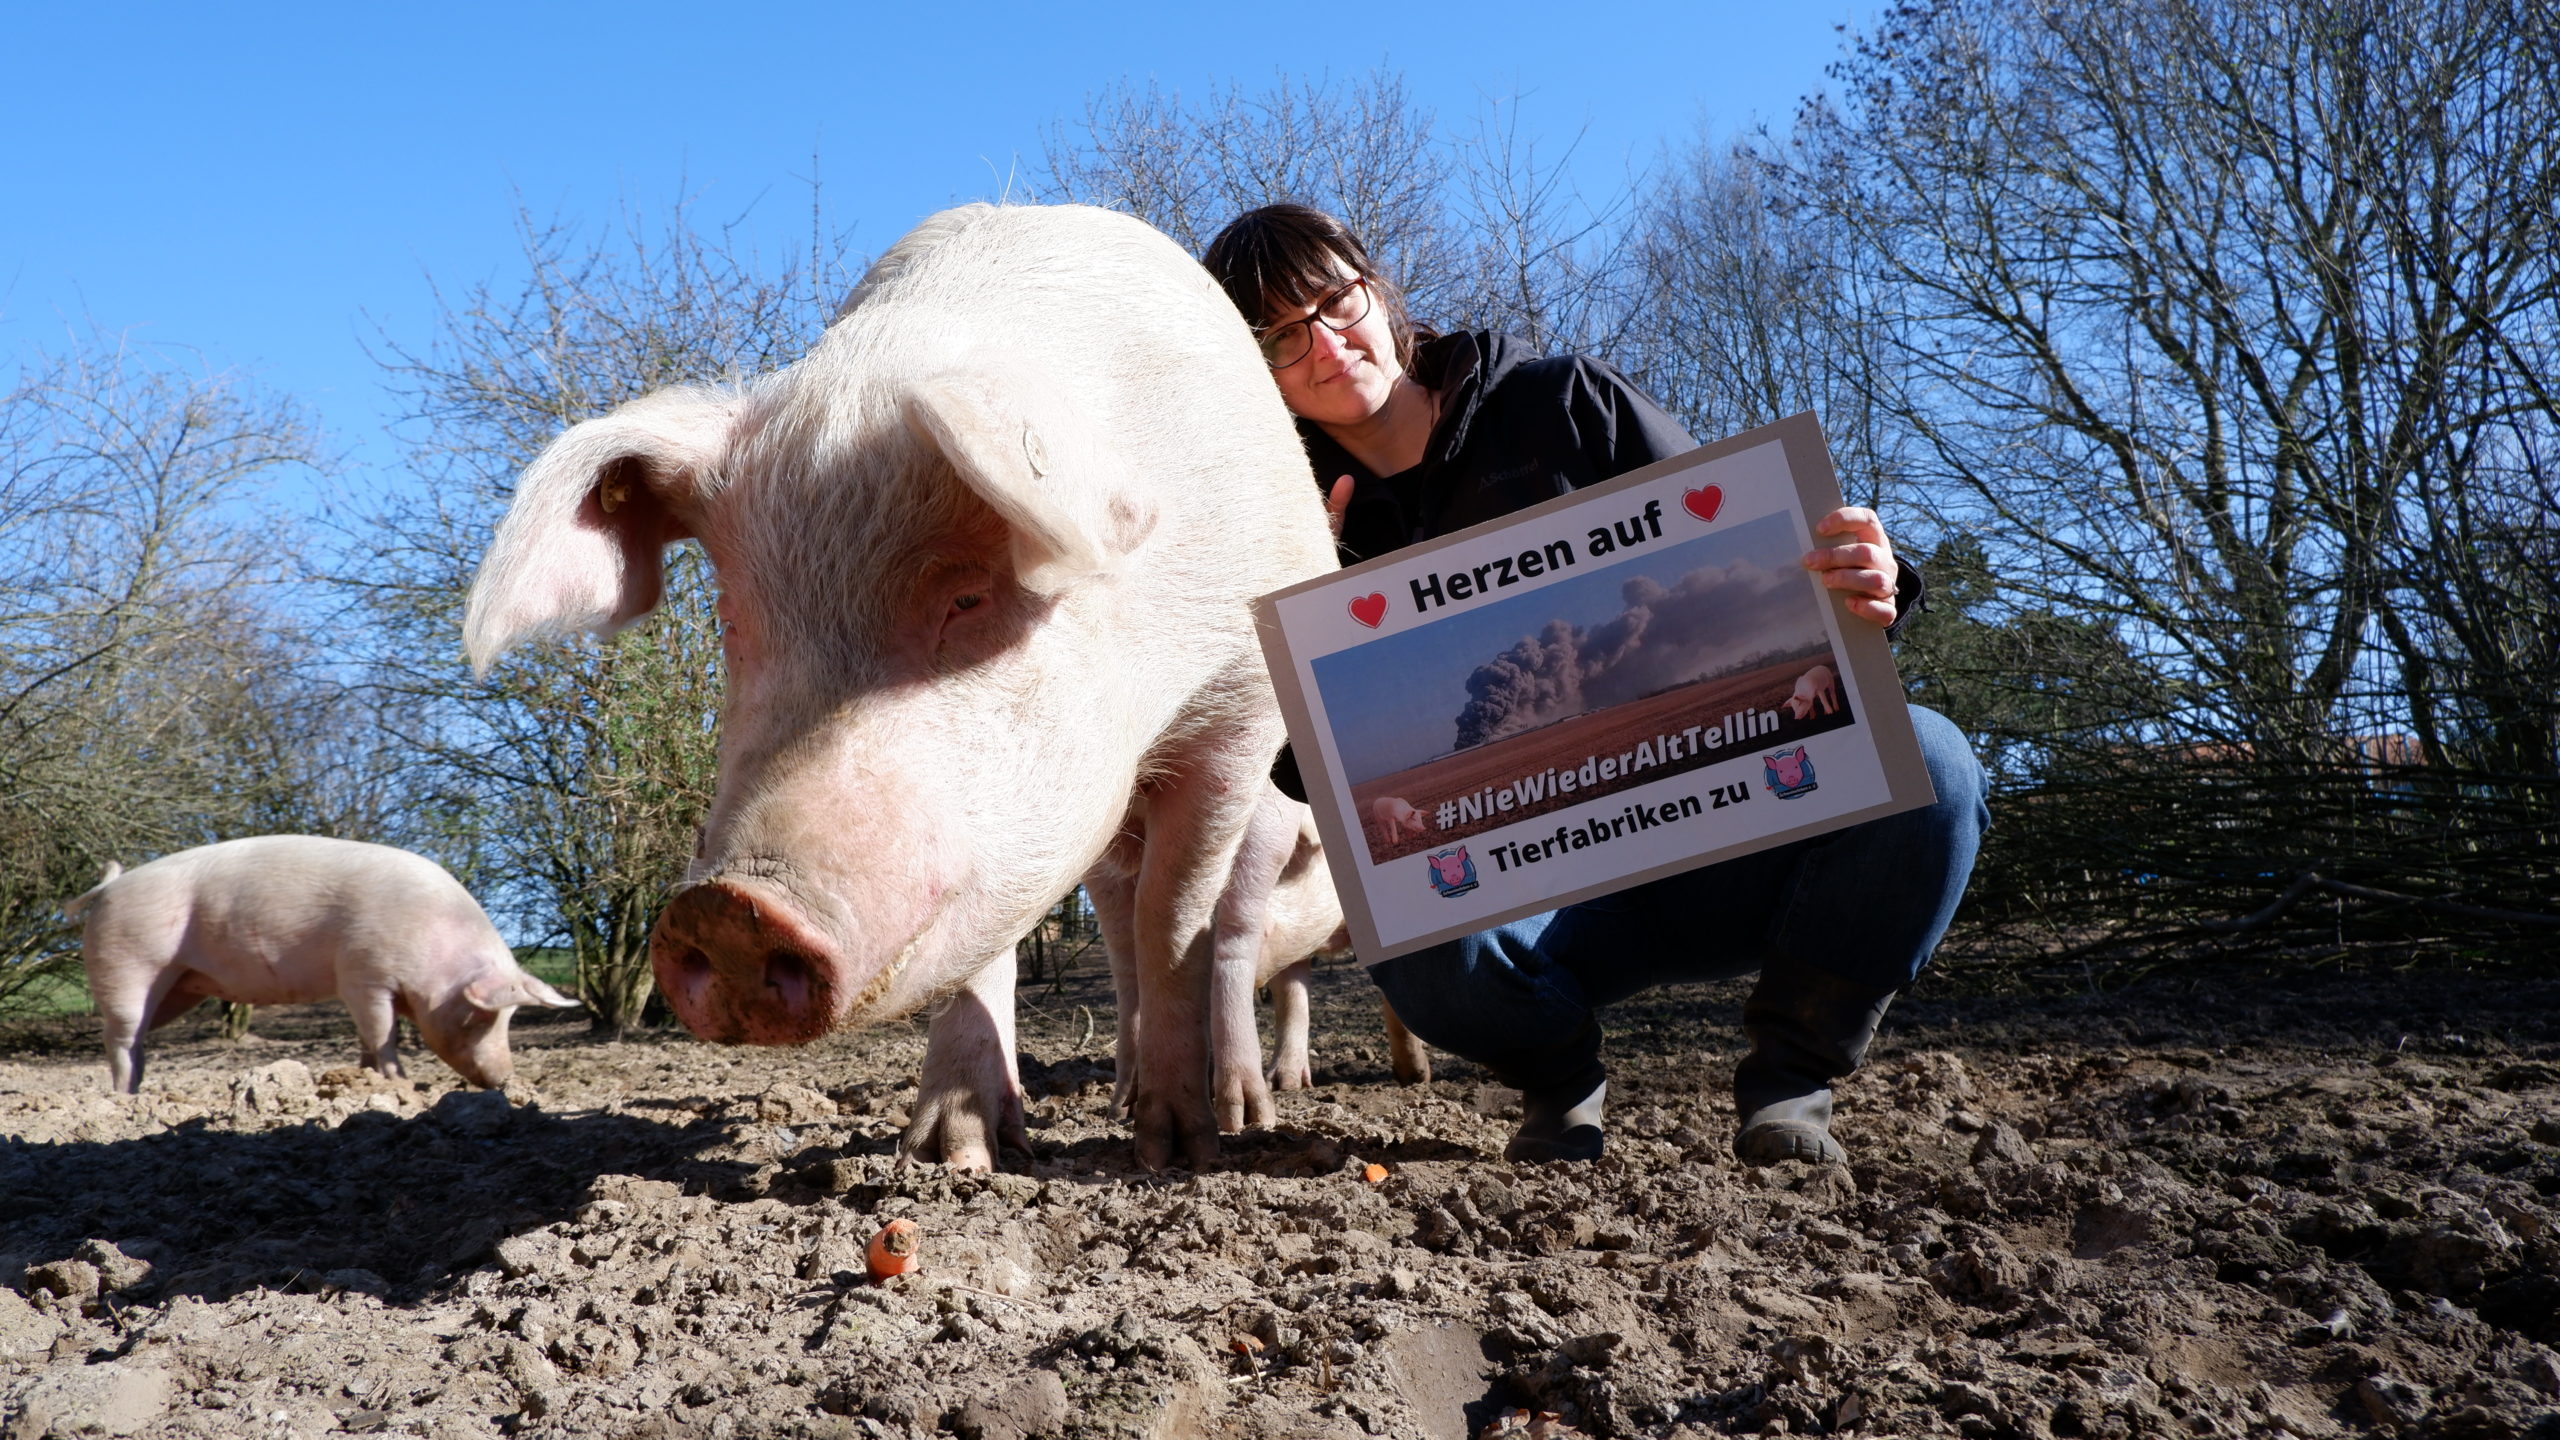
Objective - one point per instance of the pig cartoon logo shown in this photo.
(1789, 772)
(1452, 873)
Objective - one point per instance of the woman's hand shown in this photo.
(1861, 567)
(1336, 501)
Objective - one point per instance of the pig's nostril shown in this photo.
(787, 975)
(685, 976)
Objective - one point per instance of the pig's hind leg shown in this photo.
(1239, 933)
(969, 1097)
(1190, 909)
(1406, 1054)
(130, 1014)
(1115, 904)
(125, 1015)
(1290, 1069)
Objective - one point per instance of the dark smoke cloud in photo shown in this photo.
(1603, 633)
(1667, 635)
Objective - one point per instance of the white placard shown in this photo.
(1622, 683)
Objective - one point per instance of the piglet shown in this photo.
(288, 919)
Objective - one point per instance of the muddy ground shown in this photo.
(2309, 1206)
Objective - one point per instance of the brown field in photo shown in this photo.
(1605, 732)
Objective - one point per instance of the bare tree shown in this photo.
(1477, 230)
(571, 785)
(1540, 260)
(1743, 312)
(1360, 150)
(2227, 324)
(154, 694)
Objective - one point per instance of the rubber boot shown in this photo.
(1807, 1028)
(1562, 1093)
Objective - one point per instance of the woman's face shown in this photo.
(1346, 376)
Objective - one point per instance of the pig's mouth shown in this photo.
(740, 968)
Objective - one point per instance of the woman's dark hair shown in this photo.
(1285, 257)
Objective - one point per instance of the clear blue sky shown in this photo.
(268, 184)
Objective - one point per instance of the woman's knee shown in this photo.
(1413, 982)
(1954, 772)
(1484, 994)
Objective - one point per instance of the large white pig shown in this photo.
(985, 557)
(289, 919)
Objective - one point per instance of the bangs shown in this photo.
(1282, 257)
(1296, 281)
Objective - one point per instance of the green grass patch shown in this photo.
(554, 966)
(54, 989)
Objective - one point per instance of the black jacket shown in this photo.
(1514, 429)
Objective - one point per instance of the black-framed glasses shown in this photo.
(1286, 345)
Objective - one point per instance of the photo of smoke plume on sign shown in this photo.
(1631, 673)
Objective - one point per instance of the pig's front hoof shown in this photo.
(1169, 1127)
(1293, 1075)
(963, 1129)
(1244, 1102)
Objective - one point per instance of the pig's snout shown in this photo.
(741, 969)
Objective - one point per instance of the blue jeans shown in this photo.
(1866, 904)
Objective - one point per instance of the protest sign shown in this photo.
(1621, 683)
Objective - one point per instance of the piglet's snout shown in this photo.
(741, 968)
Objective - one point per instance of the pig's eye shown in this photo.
(965, 604)
(966, 596)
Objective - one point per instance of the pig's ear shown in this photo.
(501, 989)
(1022, 448)
(534, 992)
(581, 547)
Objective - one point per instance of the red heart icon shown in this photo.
(1369, 610)
(1704, 503)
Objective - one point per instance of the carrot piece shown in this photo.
(893, 1250)
(1373, 1173)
